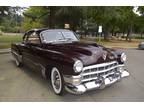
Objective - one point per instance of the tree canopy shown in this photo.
(114, 19)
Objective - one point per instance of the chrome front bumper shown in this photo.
(98, 83)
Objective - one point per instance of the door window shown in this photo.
(33, 38)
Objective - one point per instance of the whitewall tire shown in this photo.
(57, 81)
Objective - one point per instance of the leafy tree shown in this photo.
(108, 17)
(53, 17)
(128, 20)
(10, 20)
(113, 19)
(35, 17)
(69, 14)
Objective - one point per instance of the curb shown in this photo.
(4, 51)
(121, 47)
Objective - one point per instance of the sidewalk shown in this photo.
(3, 51)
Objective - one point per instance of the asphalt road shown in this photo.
(23, 84)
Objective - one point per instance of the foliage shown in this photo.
(120, 19)
(1, 33)
(37, 17)
(10, 20)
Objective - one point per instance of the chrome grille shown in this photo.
(94, 71)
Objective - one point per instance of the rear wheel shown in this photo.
(57, 81)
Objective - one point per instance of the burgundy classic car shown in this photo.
(70, 64)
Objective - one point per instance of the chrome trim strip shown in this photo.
(19, 57)
(14, 52)
(88, 79)
(98, 65)
(70, 79)
(101, 71)
(79, 89)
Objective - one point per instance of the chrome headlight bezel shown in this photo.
(123, 57)
(78, 66)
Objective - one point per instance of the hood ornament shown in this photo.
(104, 55)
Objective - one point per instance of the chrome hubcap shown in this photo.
(56, 80)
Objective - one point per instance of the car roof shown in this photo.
(38, 31)
(43, 29)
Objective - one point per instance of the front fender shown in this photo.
(62, 61)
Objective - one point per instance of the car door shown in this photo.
(29, 50)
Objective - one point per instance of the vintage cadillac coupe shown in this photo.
(70, 64)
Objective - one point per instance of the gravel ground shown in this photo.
(23, 84)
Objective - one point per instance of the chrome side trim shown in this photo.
(19, 57)
(75, 80)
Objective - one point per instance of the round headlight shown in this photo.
(78, 66)
(123, 57)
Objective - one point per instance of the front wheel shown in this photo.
(57, 81)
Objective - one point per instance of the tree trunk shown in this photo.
(106, 34)
(141, 34)
(112, 32)
(52, 17)
(129, 33)
(123, 33)
(115, 34)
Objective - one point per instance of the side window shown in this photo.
(33, 38)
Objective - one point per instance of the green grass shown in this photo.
(5, 41)
(116, 43)
(10, 39)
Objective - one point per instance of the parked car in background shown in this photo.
(141, 45)
(70, 64)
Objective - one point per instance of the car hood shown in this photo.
(89, 53)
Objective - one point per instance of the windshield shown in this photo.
(57, 36)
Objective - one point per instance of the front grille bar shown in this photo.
(94, 71)
(99, 65)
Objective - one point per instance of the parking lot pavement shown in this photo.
(23, 84)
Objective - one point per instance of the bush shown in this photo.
(2, 28)
(1, 33)
(139, 37)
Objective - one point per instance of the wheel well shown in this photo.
(48, 70)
